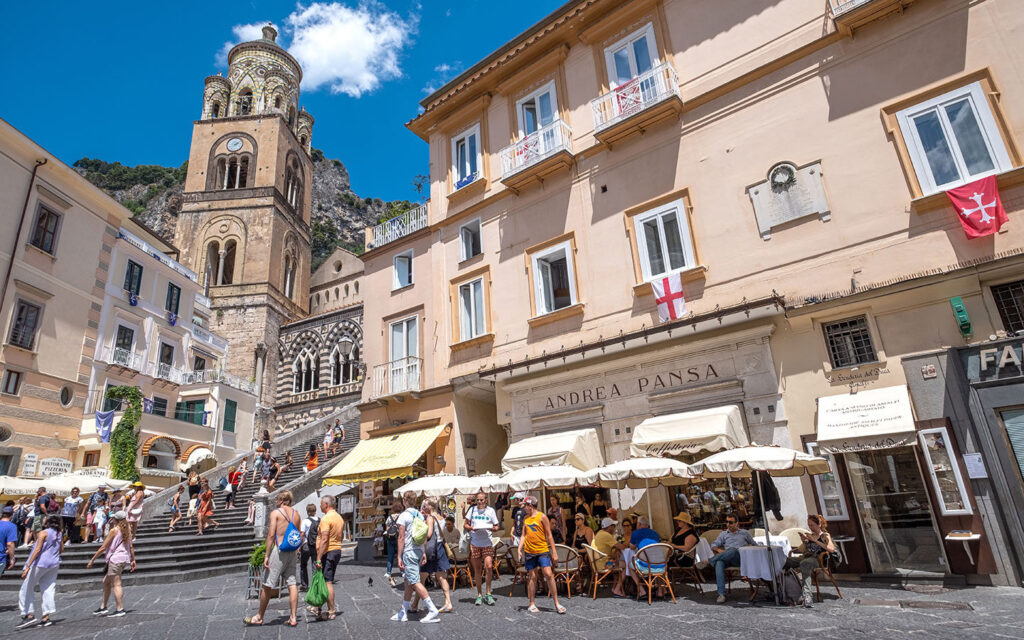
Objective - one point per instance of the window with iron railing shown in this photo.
(26, 321)
(849, 342)
(1009, 299)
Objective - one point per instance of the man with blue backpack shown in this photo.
(284, 539)
(412, 533)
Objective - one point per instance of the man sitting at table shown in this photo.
(727, 551)
(605, 542)
(642, 536)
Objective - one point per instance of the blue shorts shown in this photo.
(537, 560)
(411, 558)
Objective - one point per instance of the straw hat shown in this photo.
(683, 516)
(138, 485)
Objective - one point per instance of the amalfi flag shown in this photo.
(978, 207)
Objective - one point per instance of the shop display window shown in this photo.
(945, 472)
(830, 493)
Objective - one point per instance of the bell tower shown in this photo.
(245, 214)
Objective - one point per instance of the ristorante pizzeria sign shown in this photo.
(638, 385)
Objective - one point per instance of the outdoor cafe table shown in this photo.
(754, 562)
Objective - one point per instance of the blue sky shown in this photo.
(124, 81)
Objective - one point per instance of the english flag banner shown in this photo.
(668, 293)
(979, 208)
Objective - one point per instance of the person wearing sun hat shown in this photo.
(684, 540)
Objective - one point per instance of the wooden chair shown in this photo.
(690, 572)
(501, 550)
(651, 565)
(824, 566)
(460, 566)
(599, 567)
(567, 569)
(519, 572)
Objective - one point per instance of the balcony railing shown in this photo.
(122, 358)
(640, 93)
(209, 338)
(397, 376)
(210, 376)
(202, 301)
(839, 7)
(537, 146)
(138, 242)
(399, 227)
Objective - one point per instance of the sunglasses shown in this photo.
(730, 522)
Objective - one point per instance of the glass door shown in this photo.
(896, 516)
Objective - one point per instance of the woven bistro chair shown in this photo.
(651, 565)
(567, 569)
(824, 567)
(460, 566)
(690, 573)
(519, 572)
(599, 567)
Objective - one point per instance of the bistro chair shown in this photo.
(824, 567)
(793, 535)
(501, 550)
(711, 535)
(518, 571)
(651, 565)
(599, 567)
(757, 533)
(460, 566)
(567, 569)
(690, 573)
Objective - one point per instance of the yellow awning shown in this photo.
(383, 457)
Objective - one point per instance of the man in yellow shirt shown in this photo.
(539, 547)
(330, 533)
(605, 542)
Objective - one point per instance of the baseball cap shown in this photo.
(119, 515)
(608, 522)
(7, 511)
(530, 500)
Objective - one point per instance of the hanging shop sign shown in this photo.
(875, 419)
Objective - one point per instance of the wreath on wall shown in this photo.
(124, 441)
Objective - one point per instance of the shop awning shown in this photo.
(711, 429)
(873, 419)
(384, 457)
(580, 449)
(199, 454)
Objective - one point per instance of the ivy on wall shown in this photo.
(124, 441)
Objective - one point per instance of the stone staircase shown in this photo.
(180, 556)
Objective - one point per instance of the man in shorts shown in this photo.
(481, 521)
(410, 558)
(279, 563)
(538, 545)
(330, 534)
(42, 505)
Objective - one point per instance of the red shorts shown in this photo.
(480, 552)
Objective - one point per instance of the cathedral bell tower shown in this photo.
(244, 220)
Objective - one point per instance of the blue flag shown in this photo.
(104, 421)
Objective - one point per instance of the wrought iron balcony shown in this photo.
(635, 105)
(398, 227)
(839, 7)
(850, 15)
(122, 357)
(396, 377)
(537, 154)
(138, 242)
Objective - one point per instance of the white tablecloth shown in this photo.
(754, 562)
(777, 541)
(627, 557)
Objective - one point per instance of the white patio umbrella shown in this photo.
(439, 485)
(771, 459)
(641, 473)
(488, 483)
(61, 485)
(556, 476)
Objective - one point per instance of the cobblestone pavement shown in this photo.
(213, 608)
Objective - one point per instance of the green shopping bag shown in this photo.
(317, 594)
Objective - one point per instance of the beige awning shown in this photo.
(580, 449)
(675, 434)
(873, 419)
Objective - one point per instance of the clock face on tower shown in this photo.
(234, 144)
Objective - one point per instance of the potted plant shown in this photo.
(256, 558)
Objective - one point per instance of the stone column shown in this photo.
(261, 363)
(220, 267)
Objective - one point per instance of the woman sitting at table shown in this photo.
(583, 534)
(816, 542)
(683, 540)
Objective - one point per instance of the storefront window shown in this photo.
(830, 494)
(1013, 422)
(711, 501)
(945, 473)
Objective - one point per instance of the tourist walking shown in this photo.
(234, 478)
(437, 563)
(134, 507)
(243, 471)
(99, 520)
(175, 504)
(273, 472)
(481, 522)
(204, 513)
(266, 444)
(330, 535)
(283, 541)
(40, 509)
(40, 571)
(20, 518)
(70, 513)
(8, 539)
(391, 540)
(312, 458)
(119, 553)
(257, 465)
(338, 434)
(537, 553)
(307, 553)
(410, 557)
(328, 439)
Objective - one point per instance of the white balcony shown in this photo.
(839, 7)
(535, 156)
(147, 248)
(209, 338)
(397, 377)
(638, 104)
(122, 358)
(850, 15)
(398, 227)
(210, 376)
(202, 301)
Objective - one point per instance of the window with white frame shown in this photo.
(403, 369)
(944, 468)
(663, 240)
(633, 55)
(537, 110)
(953, 139)
(830, 494)
(554, 280)
(469, 240)
(466, 157)
(404, 339)
(471, 310)
(402, 270)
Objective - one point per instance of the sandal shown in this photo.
(533, 609)
(253, 621)
(447, 609)
(560, 609)
(292, 623)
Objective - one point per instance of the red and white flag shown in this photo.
(668, 293)
(979, 208)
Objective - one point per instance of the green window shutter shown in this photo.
(173, 298)
(159, 406)
(179, 410)
(133, 277)
(230, 407)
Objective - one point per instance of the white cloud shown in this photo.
(243, 33)
(349, 50)
(442, 74)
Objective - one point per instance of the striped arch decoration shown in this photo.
(149, 444)
(188, 452)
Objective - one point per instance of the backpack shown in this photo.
(312, 533)
(292, 537)
(392, 527)
(418, 528)
(791, 589)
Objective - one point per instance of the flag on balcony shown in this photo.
(668, 293)
(147, 405)
(978, 206)
(104, 421)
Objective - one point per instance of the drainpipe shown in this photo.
(21, 225)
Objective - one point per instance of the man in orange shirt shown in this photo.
(330, 534)
(539, 547)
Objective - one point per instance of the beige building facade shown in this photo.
(788, 163)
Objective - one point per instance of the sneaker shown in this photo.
(102, 611)
(26, 622)
(721, 600)
(400, 617)
(118, 613)
(489, 599)
(431, 617)
(479, 601)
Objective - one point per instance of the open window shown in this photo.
(402, 270)
(554, 278)
(537, 110)
(467, 159)
(469, 240)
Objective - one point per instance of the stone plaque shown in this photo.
(789, 193)
(29, 462)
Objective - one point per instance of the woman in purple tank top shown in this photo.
(41, 571)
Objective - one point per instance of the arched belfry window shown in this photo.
(212, 272)
(306, 371)
(291, 116)
(233, 171)
(227, 272)
(245, 102)
(215, 110)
